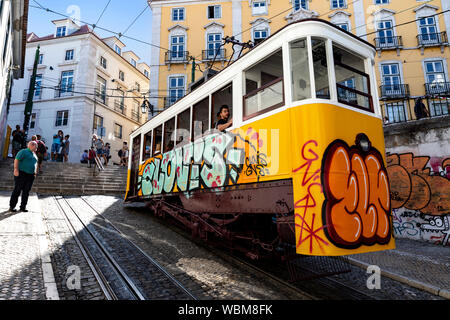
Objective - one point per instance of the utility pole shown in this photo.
(29, 103)
(193, 70)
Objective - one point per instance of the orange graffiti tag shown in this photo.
(415, 188)
(357, 208)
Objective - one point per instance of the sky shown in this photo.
(118, 16)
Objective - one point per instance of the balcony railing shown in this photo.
(135, 116)
(388, 42)
(437, 88)
(432, 39)
(37, 94)
(213, 54)
(403, 111)
(64, 91)
(394, 91)
(176, 56)
(120, 107)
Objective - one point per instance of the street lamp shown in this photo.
(147, 105)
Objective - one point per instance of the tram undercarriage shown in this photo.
(254, 219)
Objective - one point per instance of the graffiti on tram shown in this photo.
(213, 161)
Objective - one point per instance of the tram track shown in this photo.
(122, 269)
(324, 288)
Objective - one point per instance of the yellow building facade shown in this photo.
(411, 37)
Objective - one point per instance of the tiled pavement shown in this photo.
(25, 267)
(419, 264)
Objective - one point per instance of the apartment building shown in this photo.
(84, 85)
(410, 37)
(13, 31)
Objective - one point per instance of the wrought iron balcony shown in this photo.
(432, 39)
(64, 91)
(176, 57)
(394, 91)
(135, 116)
(37, 94)
(101, 97)
(213, 54)
(385, 43)
(438, 88)
(120, 107)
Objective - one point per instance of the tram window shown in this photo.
(184, 127)
(222, 97)
(169, 135)
(147, 146)
(319, 54)
(353, 84)
(201, 117)
(301, 83)
(267, 77)
(157, 137)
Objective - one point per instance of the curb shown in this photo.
(51, 292)
(444, 293)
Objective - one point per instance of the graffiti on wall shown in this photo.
(213, 161)
(420, 197)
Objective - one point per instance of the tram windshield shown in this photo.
(319, 54)
(301, 83)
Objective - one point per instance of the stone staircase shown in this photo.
(70, 179)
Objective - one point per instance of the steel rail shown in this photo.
(153, 261)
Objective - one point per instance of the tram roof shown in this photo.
(271, 36)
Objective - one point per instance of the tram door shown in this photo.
(135, 165)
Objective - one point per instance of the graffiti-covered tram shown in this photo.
(302, 164)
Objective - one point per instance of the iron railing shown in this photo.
(36, 96)
(438, 88)
(120, 107)
(101, 97)
(394, 91)
(211, 54)
(389, 42)
(135, 116)
(176, 57)
(432, 39)
(64, 91)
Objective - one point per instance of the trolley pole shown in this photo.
(29, 103)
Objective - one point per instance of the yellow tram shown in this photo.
(302, 164)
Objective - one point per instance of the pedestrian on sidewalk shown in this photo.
(25, 170)
(91, 156)
(17, 141)
(84, 157)
(41, 152)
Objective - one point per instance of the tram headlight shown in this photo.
(363, 142)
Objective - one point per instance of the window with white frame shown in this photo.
(117, 49)
(385, 33)
(177, 14)
(67, 81)
(391, 79)
(428, 31)
(213, 46)
(146, 73)
(259, 7)
(133, 62)
(300, 4)
(395, 112)
(101, 89)
(434, 72)
(38, 86)
(41, 59)
(343, 26)
(439, 107)
(33, 121)
(62, 118)
(260, 34)
(98, 122)
(177, 47)
(214, 12)
(69, 55)
(336, 4)
(176, 89)
(121, 75)
(382, 1)
(103, 62)
(60, 31)
(117, 131)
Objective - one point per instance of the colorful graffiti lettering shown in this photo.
(213, 161)
(414, 187)
(308, 203)
(357, 205)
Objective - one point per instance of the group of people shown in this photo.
(60, 147)
(102, 150)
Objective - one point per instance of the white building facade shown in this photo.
(13, 30)
(83, 83)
